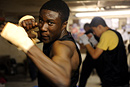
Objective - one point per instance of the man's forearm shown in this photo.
(91, 51)
(49, 68)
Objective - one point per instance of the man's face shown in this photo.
(96, 31)
(50, 25)
(87, 28)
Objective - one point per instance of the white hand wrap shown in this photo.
(18, 36)
(25, 18)
(84, 39)
(93, 40)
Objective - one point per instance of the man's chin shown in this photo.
(45, 41)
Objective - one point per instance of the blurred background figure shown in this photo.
(111, 50)
(89, 64)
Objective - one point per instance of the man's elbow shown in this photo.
(64, 83)
(94, 56)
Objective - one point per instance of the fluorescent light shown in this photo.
(105, 13)
(85, 9)
(119, 6)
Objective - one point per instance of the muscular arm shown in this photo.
(57, 70)
(95, 53)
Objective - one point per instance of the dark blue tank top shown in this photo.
(42, 82)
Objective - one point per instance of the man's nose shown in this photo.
(44, 27)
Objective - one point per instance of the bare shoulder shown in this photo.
(67, 47)
(69, 44)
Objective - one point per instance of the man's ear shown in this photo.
(64, 25)
(100, 26)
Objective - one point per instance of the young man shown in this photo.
(89, 63)
(60, 60)
(114, 69)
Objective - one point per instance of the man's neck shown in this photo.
(64, 32)
(105, 29)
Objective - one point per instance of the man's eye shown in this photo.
(50, 23)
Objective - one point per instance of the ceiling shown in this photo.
(22, 7)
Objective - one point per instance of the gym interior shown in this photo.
(14, 63)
